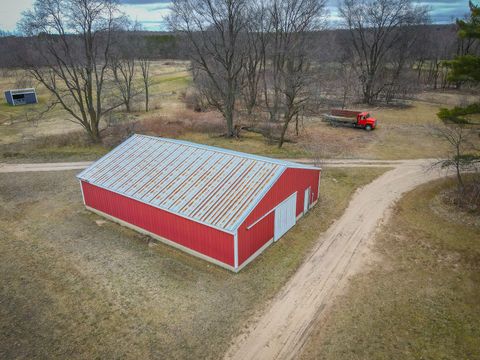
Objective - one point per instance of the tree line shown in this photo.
(270, 61)
(265, 56)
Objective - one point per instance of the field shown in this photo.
(419, 299)
(76, 286)
(20, 123)
(398, 128)
(25, 137)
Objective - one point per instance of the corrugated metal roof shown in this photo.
(209, 185)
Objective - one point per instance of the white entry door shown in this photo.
(306, 201)
(285, 216)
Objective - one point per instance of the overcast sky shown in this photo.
(151, 12)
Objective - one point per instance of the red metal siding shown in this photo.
(290, 181)
(201, 238)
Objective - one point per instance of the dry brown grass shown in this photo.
(72, 288)
(402, 133)
(169, 77)
(71, 146)
(175, 125)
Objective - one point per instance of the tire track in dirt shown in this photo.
(281, 331)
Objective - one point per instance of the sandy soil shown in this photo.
(281, 331)
(8, 168)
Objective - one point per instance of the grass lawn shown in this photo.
(76, 286)
(421, 299)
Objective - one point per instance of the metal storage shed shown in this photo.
(21, 96)
(221, 205)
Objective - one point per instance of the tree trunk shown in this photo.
(282, 134)
(94, 134)
(296, 125)
(229, 119)
(367, 92)
(228, 114)
(461, 186)
(274, 109)
(146, 98)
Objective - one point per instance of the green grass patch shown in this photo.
(420, 301)
(72, 287)
(182, 78)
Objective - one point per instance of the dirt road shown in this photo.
(281, 331)
(60, 166)
(8, 168)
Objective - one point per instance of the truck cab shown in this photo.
(364, 120)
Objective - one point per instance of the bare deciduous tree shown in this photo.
(213, 29)
(124, 63)
(147, 81)
(256, 39)
(124, 68)
(292, 24)
(346, 80)
(376, 27)
(463, 155)
(74, 40)
(145, 52)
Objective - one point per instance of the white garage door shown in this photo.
(285, 216)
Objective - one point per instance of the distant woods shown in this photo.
(268, 64)
(263, 65)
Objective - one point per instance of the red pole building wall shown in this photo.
(292, 180)
(201, 238)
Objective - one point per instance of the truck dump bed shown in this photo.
(339, 119)
(345, 113)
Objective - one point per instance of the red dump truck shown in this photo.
(357, 119)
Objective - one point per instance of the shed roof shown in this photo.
(21, 91)
(210, 185)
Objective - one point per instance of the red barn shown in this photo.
(221, 205)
